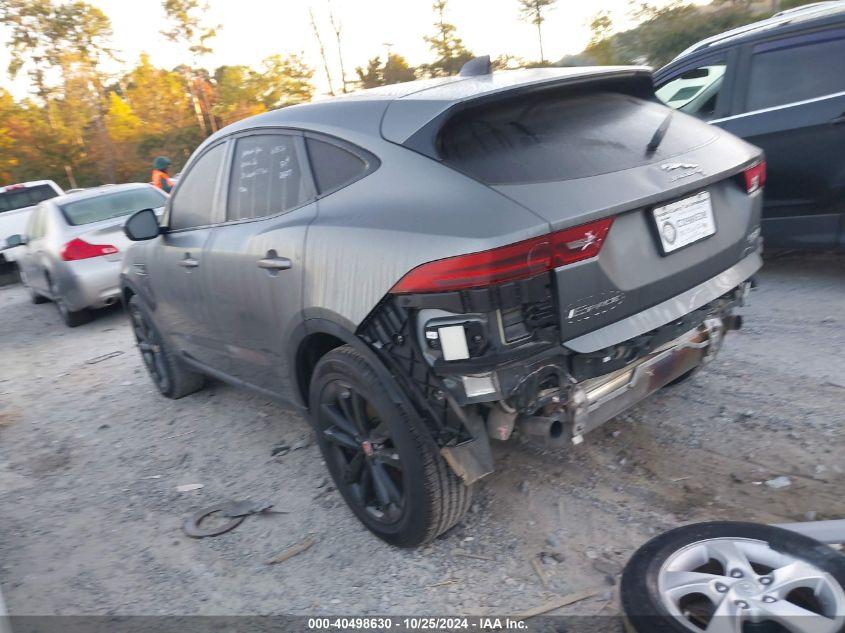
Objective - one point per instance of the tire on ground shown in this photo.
(181, 380)
(37, 298)
(435, 497)
(643, 609)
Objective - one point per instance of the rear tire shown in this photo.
(71, 318)
(355, 419)
(170, 375)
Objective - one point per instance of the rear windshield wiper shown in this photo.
(659, 133)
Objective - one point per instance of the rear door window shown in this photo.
(333, 166)
(25, 197)
(111, 205)
(193, 201)
(796, 68)
(267, 177)
(563, 137)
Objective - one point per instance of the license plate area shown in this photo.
(684, 222)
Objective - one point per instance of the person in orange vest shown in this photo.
(160, 177)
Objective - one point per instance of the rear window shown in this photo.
(563, 137)
(25, 197)
(111, 205)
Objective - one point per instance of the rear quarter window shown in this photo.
(332, 166)
(563, 137)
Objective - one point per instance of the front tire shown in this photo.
(169, 374)
(383, 461)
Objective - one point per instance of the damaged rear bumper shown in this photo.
(531, 381)
(595, 401)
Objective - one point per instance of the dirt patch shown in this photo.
(8, 418)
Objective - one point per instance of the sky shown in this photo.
(255, 29)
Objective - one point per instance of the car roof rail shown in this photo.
(801, 8)
(778, 19)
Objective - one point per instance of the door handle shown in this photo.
(274, 263)
(839, 119)
(188, 262)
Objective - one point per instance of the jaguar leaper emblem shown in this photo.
(685, 170)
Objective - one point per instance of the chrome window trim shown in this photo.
(832, 95)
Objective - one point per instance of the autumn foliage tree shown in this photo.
(393, 70)
(448, 49)
(82, 127)
(533, 11)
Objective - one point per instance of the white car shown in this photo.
(16, 205)
(71, 250)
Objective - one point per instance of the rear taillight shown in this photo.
(507, 263)
(80, 249)
(755, 176)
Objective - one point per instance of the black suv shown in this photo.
(779, 84)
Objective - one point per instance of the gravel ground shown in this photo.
(91, 457)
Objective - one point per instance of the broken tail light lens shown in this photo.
(507, 263)
(755, 176)
(80, 249)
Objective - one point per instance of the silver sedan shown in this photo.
(74, 245)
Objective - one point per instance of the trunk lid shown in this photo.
(106, 232)
(576, 158)
(99, 218)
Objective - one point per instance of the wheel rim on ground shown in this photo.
(718, 585)
(149, 345)
(360, 444)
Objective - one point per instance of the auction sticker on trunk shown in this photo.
(683, 222)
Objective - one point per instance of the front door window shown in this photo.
(695, 90)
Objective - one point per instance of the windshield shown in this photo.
(111, 205)
(25, 197)
(562, 137)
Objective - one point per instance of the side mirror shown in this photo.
(15, 240)
(142, 225)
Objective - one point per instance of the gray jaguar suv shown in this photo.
(427, 267)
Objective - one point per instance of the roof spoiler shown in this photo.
(476, 67)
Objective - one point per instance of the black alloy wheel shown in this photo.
(380, 455)
(149, 344)
(170, 374)
(361, 444)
